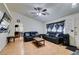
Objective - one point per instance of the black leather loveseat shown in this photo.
(28, 36)
(54, 37)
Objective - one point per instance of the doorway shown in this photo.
(19, 30)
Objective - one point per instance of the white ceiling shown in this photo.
(55, 10)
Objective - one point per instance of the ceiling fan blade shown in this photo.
(44, 10)
(43, 14)
(35, 8)
(47, 13)
(39, 8)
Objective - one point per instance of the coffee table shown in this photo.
(39, 41)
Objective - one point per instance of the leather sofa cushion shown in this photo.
(57, 35)
(27, 34)
(61, 35)
(53, 34)
(33, 33)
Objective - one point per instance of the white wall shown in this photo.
(3, 36)
(29, 24)
(3, 40)
(69, 25)
(77, 30)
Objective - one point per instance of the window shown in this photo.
(59, 29)
(49, 29)
(4, 24)
(54, 29)
(64, 30)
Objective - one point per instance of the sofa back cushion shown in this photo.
(57, 35)
(27, 34)
(30, 33)
(34, 33)
(51, 34)
(61, 35)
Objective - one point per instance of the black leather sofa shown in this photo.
(57, 37)
(28, 36)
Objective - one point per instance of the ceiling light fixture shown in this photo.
(39, 14)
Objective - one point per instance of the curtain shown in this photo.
(56, 27)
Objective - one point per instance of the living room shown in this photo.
(56, 29)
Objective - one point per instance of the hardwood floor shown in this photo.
(27, 48)
(14, 48)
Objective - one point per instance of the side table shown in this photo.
(10, 38)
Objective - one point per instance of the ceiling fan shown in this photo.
(40, 11)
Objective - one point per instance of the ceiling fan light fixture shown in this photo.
(39, 14)
(40, 11)
(44, 10)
